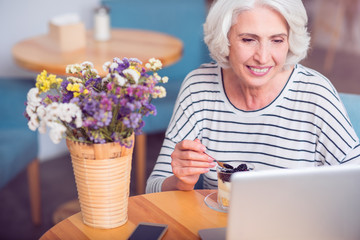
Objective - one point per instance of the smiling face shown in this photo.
(258, 46)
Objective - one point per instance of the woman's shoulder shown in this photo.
(308, 79)
(204, 72)
(208, 73)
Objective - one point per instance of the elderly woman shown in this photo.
(256, 104)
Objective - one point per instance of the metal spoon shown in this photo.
(223, 165)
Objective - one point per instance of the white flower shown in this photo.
(78, 119)
(73, 68)
(41, 111)
(56, 133)
(75, 113)
(30, 110)
(87, 63)
(93, 70)
(106, 66)
(51, 112)
(74, 79)
(157, 77)
(155, 64)
(113, 66)
(120, 80)
(64, 112)
(165, 79)
(52, 115)
(135, 60)
(42, 127)
(118, 60)
(33, 123)
(32, 98)
(160, 92)
(106, 79)
(67, 112)
(33, 103)
(133, 74)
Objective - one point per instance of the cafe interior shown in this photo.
(37, 182)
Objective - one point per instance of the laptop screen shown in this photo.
(321, 203)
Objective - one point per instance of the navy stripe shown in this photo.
(189, 117)
(253, 124)
(158, 175)
(263, 134)
(165, 163)
(319, 106)
(330, 139)
(162, 171)
(196, 83)
(262, 153)
(184, 99)
(317, 74)
(357, 147)
(320, 142)
(306, 74)
(318, 85)
(261, 144)
(200, 101)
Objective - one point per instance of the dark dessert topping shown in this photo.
(225, 177)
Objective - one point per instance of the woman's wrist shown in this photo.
(173, 183)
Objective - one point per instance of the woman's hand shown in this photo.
(188, 162)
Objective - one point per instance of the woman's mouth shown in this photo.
(259, 71)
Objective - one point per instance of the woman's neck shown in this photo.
(250, 98)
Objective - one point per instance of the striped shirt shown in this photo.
(305, 126)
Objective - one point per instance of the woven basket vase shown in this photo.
(102, 175)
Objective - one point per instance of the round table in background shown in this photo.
(41, 52)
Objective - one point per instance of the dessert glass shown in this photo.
(224, 184)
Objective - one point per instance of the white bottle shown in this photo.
(102, 29)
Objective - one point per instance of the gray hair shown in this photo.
(223, 15)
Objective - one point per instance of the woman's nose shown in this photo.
(262, 53)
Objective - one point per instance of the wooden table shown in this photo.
(185, 212)
(39, 53)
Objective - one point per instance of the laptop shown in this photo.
(321, 203)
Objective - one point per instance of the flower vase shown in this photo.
(102, 175)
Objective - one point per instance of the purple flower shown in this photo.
(95, 82)
(133, 120)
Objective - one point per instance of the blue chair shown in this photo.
(18, 144)
(351, 103)
(182, 19)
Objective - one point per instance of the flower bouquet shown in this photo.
(99, 117)
(91, 109)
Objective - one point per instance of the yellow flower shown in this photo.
(73, 87)
(76, 89)
(44, 82)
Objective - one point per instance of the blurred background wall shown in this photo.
(20, 19)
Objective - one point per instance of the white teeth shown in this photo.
(259, 70)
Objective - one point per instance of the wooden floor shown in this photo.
(57, 180)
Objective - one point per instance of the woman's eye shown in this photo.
(278, 41)
(247, 40)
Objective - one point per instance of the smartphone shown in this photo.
(148, 231)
